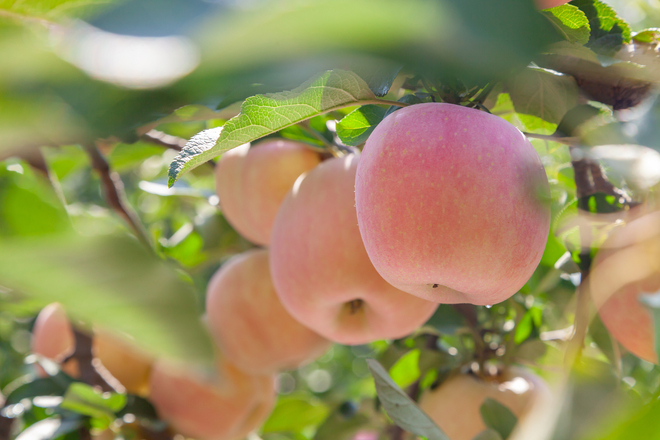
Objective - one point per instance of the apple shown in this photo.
(450, 204)
(251, 183)
(250, 325)
(321, 271)
(626, 267)
(547, 4)
(455, 405)
(125, 363)
(223, 406)
(52, 338)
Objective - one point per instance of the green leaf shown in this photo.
(51, 428)
(47, 386)
(52, 9)
(401, 408)
(575, 118)
(651, 35)
(447, 320)
(608, 31)
(488, 434)
(498, 417)
(111, 282)
(28, 204)
(571, 23)
(544, 94)
(84, 399)
(406, 370)
(262, 115)
(356, 126)
(295, 413)
(340, 427)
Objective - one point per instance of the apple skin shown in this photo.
(627, 266)
(127, 364)
(227, 406)
(455, 405)
(321, 270)
(52, 338)
(251, 183)
(251, 327)
(547, 4)
(450, 204)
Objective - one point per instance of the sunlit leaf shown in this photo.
(570, 22)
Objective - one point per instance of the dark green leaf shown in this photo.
(608, 31)
(540, 93)
(111, 282)
(356, 127)
(401, 409)
(47, 386)
(571, 23)
(447, 319)
(339, 427)
(265, 114)
(139, 407)
(498, 417)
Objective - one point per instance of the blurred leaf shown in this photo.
(28, 204)
(531, 350)
(52, 9)
(401, 408)
(126, 156)
(608, 31)
(139, 407)
(265, 114)
(642, 424)
(541, 93)
(406, 370)
(112, 282)
(356, 127)
(602, 338)
(651, 35)
(488, 434)
(498, 417)
(446, 319)
(379, 75)
(530, 321)
(84, 399)
(293, 413)
(47, 386)
(339, 427)
(571, 23)
(51, 428)
(574, 118)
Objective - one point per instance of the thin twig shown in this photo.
(164, 139)
(570, 141)
(329, 146)
(113, 191)
(481, 97)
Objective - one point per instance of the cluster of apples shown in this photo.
(444, 205)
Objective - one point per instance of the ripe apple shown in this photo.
(321, 270)
(251, 183)
(226, 406)
(450, 204)
(455, 405)
(627, 266)
(249, 323)
(547, 4)
(52, 338)
(128, 365)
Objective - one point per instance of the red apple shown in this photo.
(321, 270)
(546, 4)
(249, 323)
(450, 204)
(251, 183)
(223, 406)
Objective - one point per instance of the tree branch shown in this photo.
(82, 353)
(164, 139)
(113, 192)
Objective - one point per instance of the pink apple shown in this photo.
(226, 405)
(455, 405)
(546, 4)
(251, 183)
(249, 323)
(321, 270)
(626, 267)
(450, 203)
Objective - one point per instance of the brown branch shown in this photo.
(6, 426)
(164, 139)
(85, 358)
(113, 192)
(589, 180)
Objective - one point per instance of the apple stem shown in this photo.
(355, 305)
